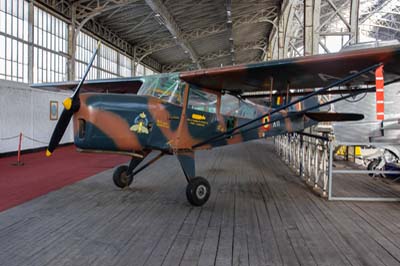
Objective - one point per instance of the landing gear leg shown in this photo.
(123, 175)
(198, 189)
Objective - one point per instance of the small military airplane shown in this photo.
(179, 113)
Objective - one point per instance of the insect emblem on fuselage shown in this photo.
(140, 124)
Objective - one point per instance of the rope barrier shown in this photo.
(8, 138)
(20, 136)
(27, 137)
(35, 140)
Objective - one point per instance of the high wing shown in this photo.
(117, 85)
(298, 73)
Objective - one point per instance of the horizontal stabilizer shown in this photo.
(328, 116)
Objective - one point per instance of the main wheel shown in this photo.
(198, 191)
(121, 178)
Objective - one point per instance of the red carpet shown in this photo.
(40, 175)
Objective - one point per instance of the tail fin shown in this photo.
(327, 116)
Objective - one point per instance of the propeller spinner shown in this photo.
(71, 105)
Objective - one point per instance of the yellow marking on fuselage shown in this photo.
(198, 117)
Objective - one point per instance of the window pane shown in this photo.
(47, 67)
(202, 101)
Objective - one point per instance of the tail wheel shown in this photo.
(372, 166)
(121, 178)
(198, 191)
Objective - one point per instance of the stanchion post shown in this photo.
(19, 163)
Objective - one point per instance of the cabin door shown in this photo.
(201, 114)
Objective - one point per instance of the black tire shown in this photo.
(372, 166)
(120, 178)
(198, 191)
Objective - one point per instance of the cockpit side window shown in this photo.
(229, 105)
(202, 101)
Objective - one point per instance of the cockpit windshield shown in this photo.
(167, 87)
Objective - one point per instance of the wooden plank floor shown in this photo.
(259, 213)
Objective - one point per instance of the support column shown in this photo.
(133, 68)
(312, 11)
(284, 28)
(72, 44)
(98, 73)
(30, 40)
(119, 65)
(272, 53)
(354, 11)
(288, 20)
(281, 36)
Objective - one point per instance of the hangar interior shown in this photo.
(51, 41)
(269, 198)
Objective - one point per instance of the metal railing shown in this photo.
(353, 171)
(311, 157)
(308, 156)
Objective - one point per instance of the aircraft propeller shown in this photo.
(71, 105)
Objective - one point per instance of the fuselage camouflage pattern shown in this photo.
(170, 115)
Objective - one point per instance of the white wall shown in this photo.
(27, 110)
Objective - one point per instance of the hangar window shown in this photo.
(140, 70)
(108, 62)
(125, 68)
(14, 40)
(148, 71)
(50, 47)
(85, 46)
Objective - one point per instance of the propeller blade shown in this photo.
(71, 105)
(59, 131)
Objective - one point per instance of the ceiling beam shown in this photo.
(168, 20)
(374, 10)
(267, 15)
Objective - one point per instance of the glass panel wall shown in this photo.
(49, 48)
(50, 40)
(14, 40)
(125, 68)
(85, 46)
(108, 59)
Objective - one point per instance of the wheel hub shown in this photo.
(201, 191)
(124, 178)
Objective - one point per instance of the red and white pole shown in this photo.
(380, 94)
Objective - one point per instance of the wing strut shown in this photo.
(229, 133)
